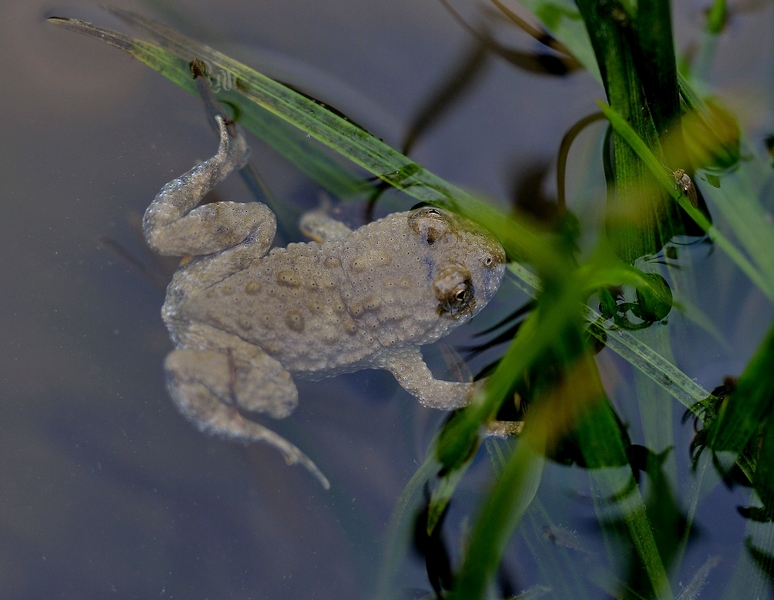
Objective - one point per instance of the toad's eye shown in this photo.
(430, 223)
(488, 261)
(454, 290)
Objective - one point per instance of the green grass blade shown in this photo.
(604, 452)
(664, 373)
(747, 406)
(574, 402)
(656, 62)
(742, 184)
(497, 520)
(667, 181)
(539, 332)
(294, 145)
(443, 493)
(640, 217)
(737, 200)
(716, 17)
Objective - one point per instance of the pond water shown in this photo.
(108, 492)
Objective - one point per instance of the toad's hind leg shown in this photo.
(175, 225)
(209, 387)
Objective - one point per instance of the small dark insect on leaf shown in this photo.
(685, 184)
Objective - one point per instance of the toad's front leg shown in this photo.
(410, 369)
(411, 372)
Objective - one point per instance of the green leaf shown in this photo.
(716, 17)
(639, 355)
(655, 62)
(294, 145)
(501, 512)
(638, 145)
(604, 452)
(640, 220)
(442, 494)
(750, 402)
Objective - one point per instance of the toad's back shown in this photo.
(321, 309)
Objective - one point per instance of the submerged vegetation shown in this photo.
(675, 163)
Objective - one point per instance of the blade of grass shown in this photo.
(518, 483)
(667, 182)
(558, 411)
(639, 217)
(497, 519)
(639, 355)
(737, 199)
(656, 62)
(716, 17)
(443, 493)
(604, 453)
(539, 331)
(697, 489)
(286, 139)
(750, 402)
(655, 407)
(738, 196)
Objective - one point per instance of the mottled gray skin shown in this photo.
(242, 321)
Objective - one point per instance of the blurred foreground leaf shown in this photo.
(744, 426)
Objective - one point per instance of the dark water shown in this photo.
(106, 492)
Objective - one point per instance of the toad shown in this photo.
(245, 320)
